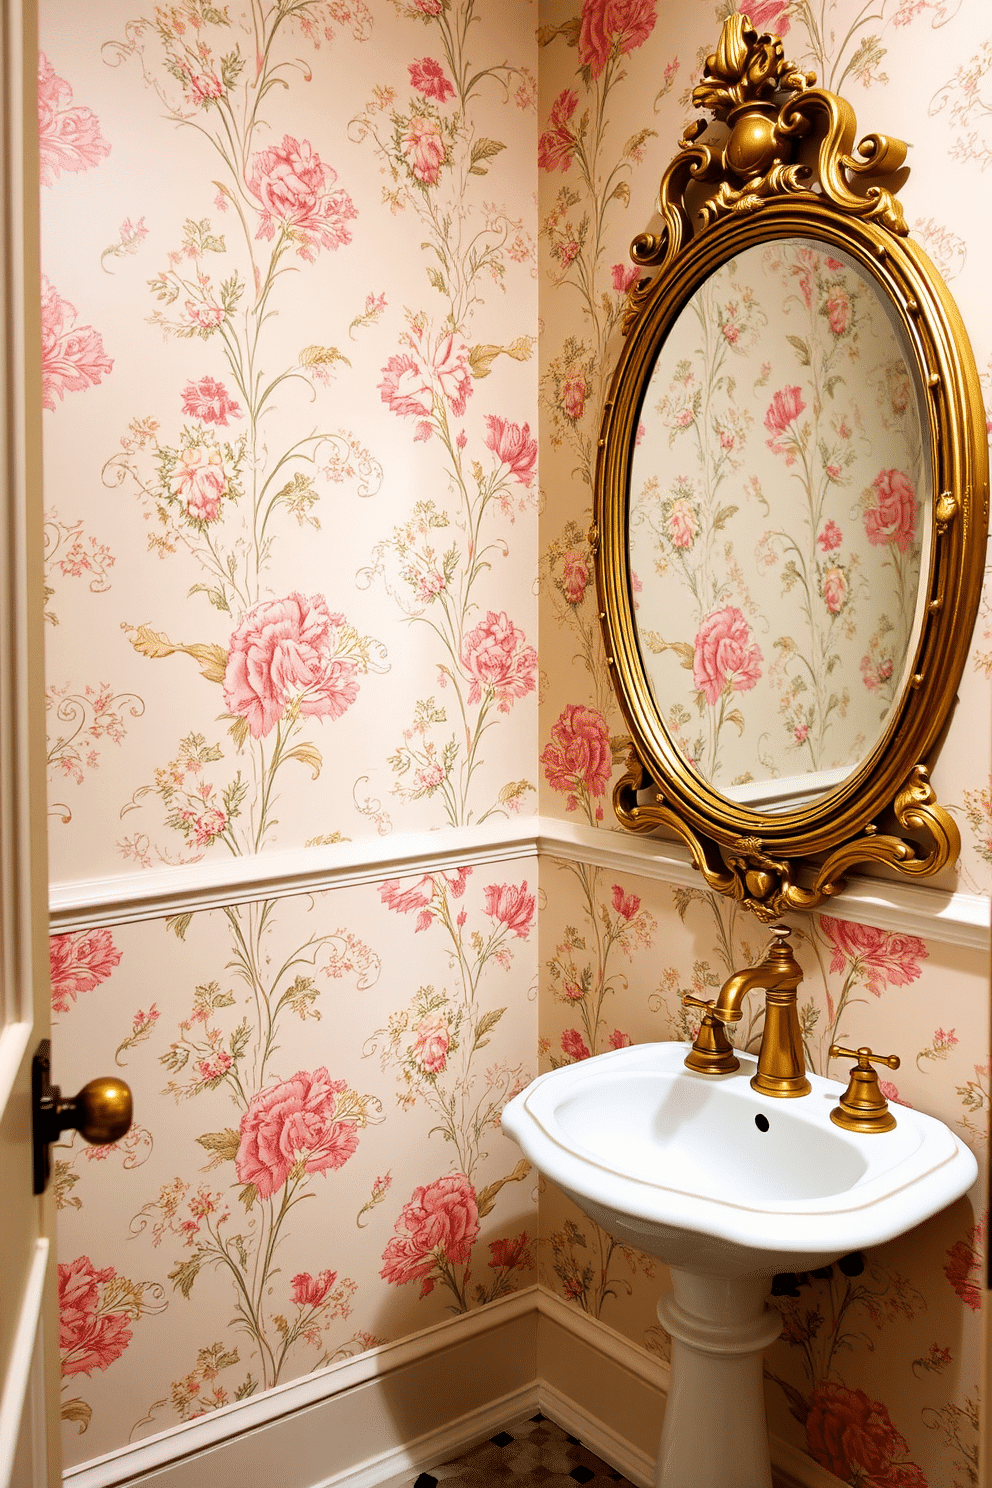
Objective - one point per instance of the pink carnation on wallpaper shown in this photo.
(72, 357)
(574, 576)
(853, 1437)
(579, 753)
(295, 190)
(834, 590)
(310, 1291)
(513, 1254)
(424, 149)
(427, 76)
(209, 400)
(725, 655)
(292, 1125)
(438, 1224)
(512, 906)
(573, 1044)
(282, 652)
(830, 538)
(513, 445)
(892, 517)
(430, 1047)
(964, 1268)
(420, 894)
(452, 371)
(785, 407)
(885, 958)
(405, 387)
(199, 481)
(69, 137)
(556, 147)
(79, 961)
(620, 1040)
(624, 275)
(209, 825)
(610, 26)
(494, 656)
(626, 905)
(88, 1339)
(683, 523)
(838, 308)
(573, 395)
(768, 15)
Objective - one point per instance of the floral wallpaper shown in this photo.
(779, 511)
(297, 550)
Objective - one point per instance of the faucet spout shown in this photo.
(781, 1065)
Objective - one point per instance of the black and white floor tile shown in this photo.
(534, 1453)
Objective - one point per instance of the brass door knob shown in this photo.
(102, 1112)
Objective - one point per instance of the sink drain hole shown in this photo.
(761, 1122)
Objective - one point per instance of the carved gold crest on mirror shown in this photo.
(791, 498)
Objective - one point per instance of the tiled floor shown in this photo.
(524, 1455)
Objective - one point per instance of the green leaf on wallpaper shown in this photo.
(248, 1195)
(223, 1145)
(248, 1388)
(216, 597)
(723, 516)
(569, 29)
(619, 745)
(184, 1275)
(238, 730)
(621, 192)
(77, 1410)
(800, 348)
(214, 16)
(239, 1039)
(307, 754)
(438, 280)
(485, 1025)
(483, 149)
(179, 924)
(230, 68)
(832, 383)
(736, 717)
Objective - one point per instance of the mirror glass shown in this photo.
(779, 523)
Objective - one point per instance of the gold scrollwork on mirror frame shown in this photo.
(777, 161)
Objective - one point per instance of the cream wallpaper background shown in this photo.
(298, 557)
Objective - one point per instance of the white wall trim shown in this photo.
(954, 919)
(519, 1355)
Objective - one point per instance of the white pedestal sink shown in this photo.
(727, 1187)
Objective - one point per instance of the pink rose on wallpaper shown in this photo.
(579, 753)
(834, 590)
(429, 7)
(624, 275)
(199, 481)
(511, 1255)
(427, 76)
(282, 653)
(573, 395)
(512, 906)
(767, 15)
(201, 87)
(512, 444)
(88, 1339)
(310, 1291)
(573, 1044)
(209, 825)
(854, 1437)
(618, 26)
(430, 1048)
(405, 388)
(495, 657)
(574, 576)
(683, 523)
(72, 357)
(291, 1125)
(424, 149)
(439, 1224)
(725, 655)
(885, 958)
(209, 400)
(206, 315)
(626, 905)
(620, 1040)
(453, 373)
(964, 1268)
(838, 311)
(79, 961)
(69, 137)
(295, 190)
(556, 147)
(784, 409)
(830, 538)
(893, 516)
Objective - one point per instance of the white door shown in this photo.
(29, 1455)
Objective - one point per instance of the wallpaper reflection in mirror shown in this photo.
(779, 515)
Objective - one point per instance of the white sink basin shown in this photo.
(673, 1162)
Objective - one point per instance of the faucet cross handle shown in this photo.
(689, 1001)
(863, 1107)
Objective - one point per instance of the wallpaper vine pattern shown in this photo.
(876, 1373)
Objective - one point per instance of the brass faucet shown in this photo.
(781, 1066)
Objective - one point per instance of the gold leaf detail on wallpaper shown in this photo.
(307, 754)
(683, 650)
(513, 790)
(178, 924)
(569, 29)
(248, 1195)
(77, 1410)
(212, 659)
(322, 356)
(223, 1145)
(483, 149)
(485, 1025)
(481, 358)
(184, 1275)
(486, 1198)
(621, 192)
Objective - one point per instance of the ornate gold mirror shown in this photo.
(791, 498)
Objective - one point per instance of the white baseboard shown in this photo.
(374, 1421)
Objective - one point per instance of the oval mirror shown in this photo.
(791, 500)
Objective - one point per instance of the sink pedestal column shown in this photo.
(715, 1434)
